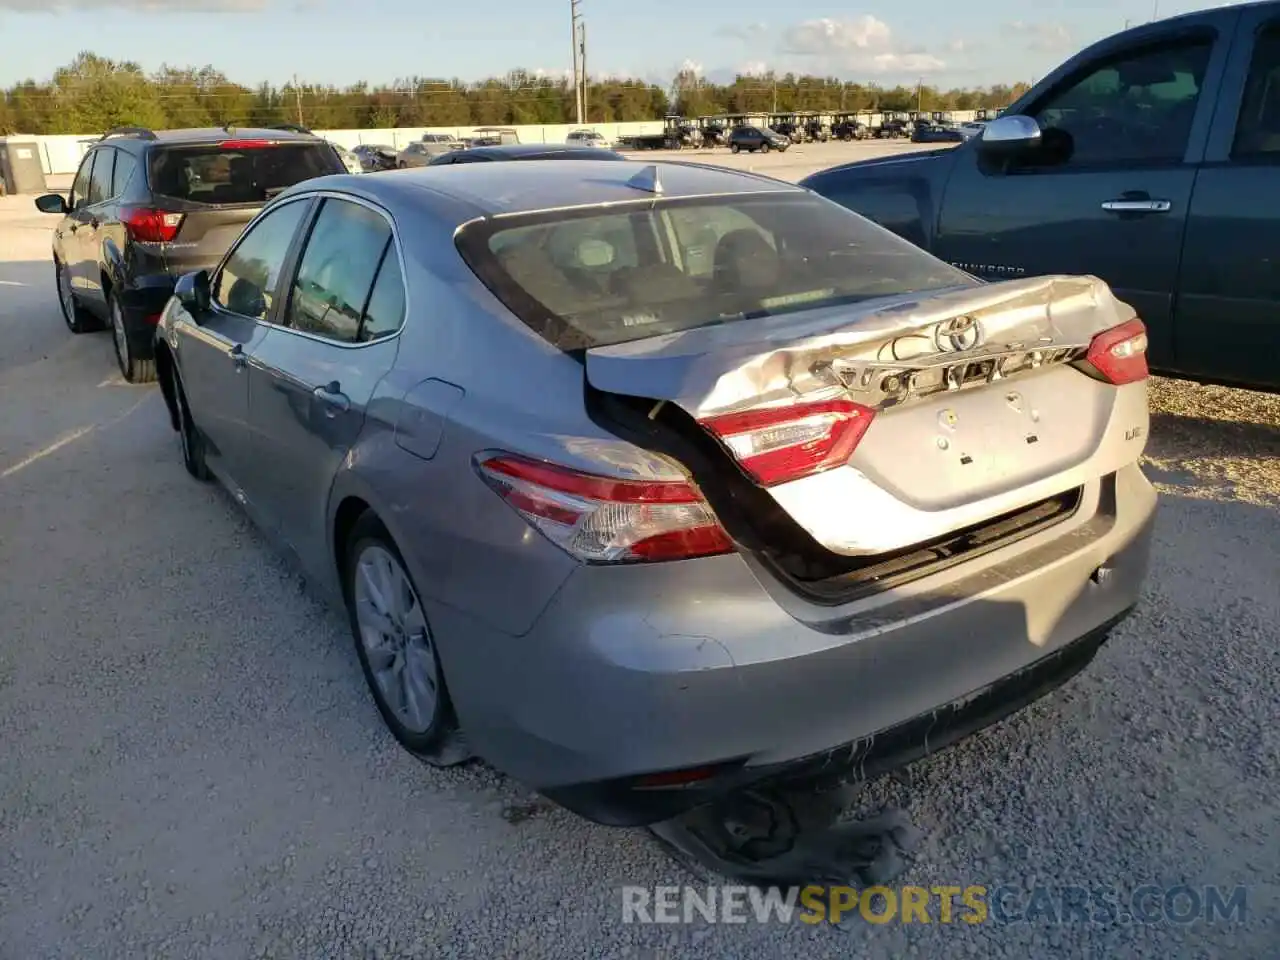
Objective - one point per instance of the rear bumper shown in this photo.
(712, 663)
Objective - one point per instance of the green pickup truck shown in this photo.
(1151, 159)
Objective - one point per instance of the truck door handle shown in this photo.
(238, 359)
(1134, 205)
(334, 399)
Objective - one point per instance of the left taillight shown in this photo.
(1120, 353)
(148, 225)
(780, 444)
(607, 520)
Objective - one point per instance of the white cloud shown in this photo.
(753, 68)
(1042, 37)
(691, 67)
(863, 43)
(139, 6)
(743, 31)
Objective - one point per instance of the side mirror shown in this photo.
(1009, 135)
(52, 203)
(192, 291)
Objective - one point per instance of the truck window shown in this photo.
(1258, 127)
(1135, 108)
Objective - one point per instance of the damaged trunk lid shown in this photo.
(885, 423)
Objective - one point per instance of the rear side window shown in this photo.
(585, 279)
(235, 172)
(337, 270)
(385, 312)
(1258, 129)
(125, 165)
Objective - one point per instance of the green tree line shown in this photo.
(93, 93)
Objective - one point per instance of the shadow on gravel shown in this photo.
(1241, 437)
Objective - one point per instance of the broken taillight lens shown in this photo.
(151, 226)
(1120, 354)
(779, 444)
(607, 520)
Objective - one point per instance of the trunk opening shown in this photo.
(761, 526)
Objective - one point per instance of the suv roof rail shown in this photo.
(142, 133)
(291, 127)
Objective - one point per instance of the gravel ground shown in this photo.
(190, 767)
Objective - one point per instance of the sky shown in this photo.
(980, 42)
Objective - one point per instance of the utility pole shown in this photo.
(297, 99)
(582, 57)
(919, 95)
(574, 17)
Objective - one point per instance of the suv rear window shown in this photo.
(595, 277)
(230, 173)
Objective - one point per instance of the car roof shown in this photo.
(201, 135)
(528, 151)
(471, 190)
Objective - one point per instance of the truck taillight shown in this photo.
(607, 520)
(779, 444)
(148, 225)
(1120, 354)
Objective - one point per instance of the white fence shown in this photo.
(61, 154)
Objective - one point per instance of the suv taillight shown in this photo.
(1120, 354)
(779, 444)
(606, 520)
(148, 225)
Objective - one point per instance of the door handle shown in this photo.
(333, 398)
(238, 359)
(1137, 206)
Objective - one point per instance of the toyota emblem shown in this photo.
(957, 335)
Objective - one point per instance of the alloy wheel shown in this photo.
(397, 643)
(66, 298)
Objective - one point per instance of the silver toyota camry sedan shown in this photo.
(646, 482)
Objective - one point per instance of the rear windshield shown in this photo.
(218, 174)
(584, 280)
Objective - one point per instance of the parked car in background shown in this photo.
(1145, 160)
(936, 133)
(755, 138)
(895, 129)
(438, 143)
(972, 129)
(374, 157)
(648, 482)
(148, 206)
(588, 138)
(415, 154)
(526, 151)
(349, 160)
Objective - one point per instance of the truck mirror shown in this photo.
(1009, 134)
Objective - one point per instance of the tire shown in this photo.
(734, 148)
(76, 317)
(133, 369)
(429, 732)
(193, 443)
(764, 148)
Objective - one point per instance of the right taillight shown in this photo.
(604, 519)
(151, 226)
(1120, 354)
(779, 444)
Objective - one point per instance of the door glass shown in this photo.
(100, 182)
(125, 165)
(80, 189)
(385, 312)
(337, 269)
(1134, 108)
(247, 282)
(1258, 128)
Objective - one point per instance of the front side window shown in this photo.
(100, 181)
(1258, 128)
(80, 188)
(247, 282)
(337, 270)
(596, 278)
(1137, 108)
